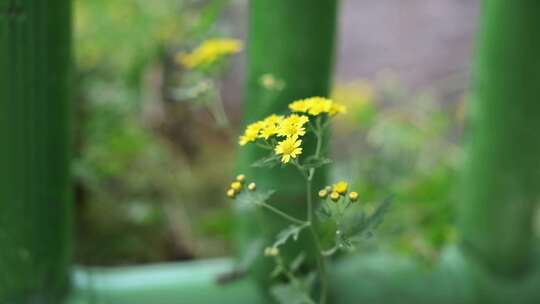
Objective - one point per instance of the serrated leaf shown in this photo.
(323, 213)
(312, 163)
(367, 224)
(267, 162)
(284, 235)
(344, 242)
(309, 280)
(277, 271)
(254, 198)
(249, 256)
(297, 262)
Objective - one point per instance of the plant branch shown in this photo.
(283, 214)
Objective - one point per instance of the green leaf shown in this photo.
(323, 213)
(367, 224)
(312, 163)
(249, 256)
(278, 270)
(267, 162)
(284, 235)
(297, 262)
(254, 198)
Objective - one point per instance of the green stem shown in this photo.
(321, 267)
(318, 134)
(216, 108)
(320, 255)
(283, 214)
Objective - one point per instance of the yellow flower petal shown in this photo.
(289, 148)
(340, 187)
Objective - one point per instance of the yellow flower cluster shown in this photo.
(209, 52)
(317, 106)
(237, 185)
(291, 127)
(337, 190)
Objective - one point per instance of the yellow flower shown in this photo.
(293, 126)
(299, 106)
(334, 196)
(244, 139)
(340, 187)
(271, 124)
(337, 108)
(319, 105)
(353, 196)
(289, 148)
(273, 119)
(209, 52)
(298, 119)
(269, 131)
(251, 133)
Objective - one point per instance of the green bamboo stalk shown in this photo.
(293, 41)
(502, 175)
(35, 210)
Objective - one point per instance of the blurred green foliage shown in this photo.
(149, 182)
(402, 144)
(144, 193)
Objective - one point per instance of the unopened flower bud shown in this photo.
(231, 193)
(236, 186)
(353, 196)
(252, 186)
(323, 193)
(271, 251)
(334, 196)
(240, 177)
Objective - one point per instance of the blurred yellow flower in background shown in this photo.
(271, 82)
(359, 98)
(209, 52)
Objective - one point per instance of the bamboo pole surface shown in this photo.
(35, 211)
